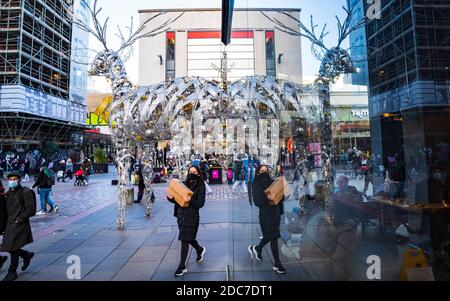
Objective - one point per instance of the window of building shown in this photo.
(270, 53)
(170, 55)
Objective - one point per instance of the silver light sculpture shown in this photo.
(165, 111)
(335, 61)
(123, 107)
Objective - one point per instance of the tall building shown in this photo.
(35, 67)
(192, 47)
(358, 48)
(409, 103)
(80, 45)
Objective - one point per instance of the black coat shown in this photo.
(19, 210)
(27, 167)
(188, 219)
(42, 181)
(269, 216)
(3, 214)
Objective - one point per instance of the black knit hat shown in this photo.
(14, 174)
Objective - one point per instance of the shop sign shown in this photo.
(350, 114)
(361, 113)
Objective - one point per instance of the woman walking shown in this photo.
(269, 218)
(69, 169)
(189, 218)
(44, 182)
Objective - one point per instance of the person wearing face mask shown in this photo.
(188, 219)
(44, 182)
(20, 206)
(3, 216)
(269, 218)
(436, 188)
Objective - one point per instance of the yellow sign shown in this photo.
(95, 120)
(102, 109)
(412, 259)
(100, 117)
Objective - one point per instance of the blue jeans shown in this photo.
(44, 194)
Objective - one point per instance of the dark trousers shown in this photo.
(15, 259)
(185, 250)
(273, 247)
(69, 174)
(141, 190)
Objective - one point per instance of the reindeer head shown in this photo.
(334, 60)
(104, 63)
(107, 60)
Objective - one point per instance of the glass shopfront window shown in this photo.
(170, 55)
(270, 53)
(303, 168)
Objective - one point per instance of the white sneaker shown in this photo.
(40, 212)
(56, 209)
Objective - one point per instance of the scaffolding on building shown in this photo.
(35, 44)
(413, 42)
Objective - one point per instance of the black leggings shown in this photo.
(273, 247)
(15, 259)
(185, 250)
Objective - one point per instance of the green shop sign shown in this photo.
(350, 114)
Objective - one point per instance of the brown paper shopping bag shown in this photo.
(180, 192)
(279, 189)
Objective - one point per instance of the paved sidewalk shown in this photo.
(149, 249)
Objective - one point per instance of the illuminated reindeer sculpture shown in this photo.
(126, 129)
(335, 61)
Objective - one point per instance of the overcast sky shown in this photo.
(120, 11)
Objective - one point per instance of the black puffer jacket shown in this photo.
(188, 219)
(269, 216)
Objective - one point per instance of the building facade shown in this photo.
(192, 46)
(358, 47)
(350, 118)
(80, 45)
(409, 59)
(35, 68)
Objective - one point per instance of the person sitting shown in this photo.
(346, 198)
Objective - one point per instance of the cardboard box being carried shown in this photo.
(180, 192)
(279, 189)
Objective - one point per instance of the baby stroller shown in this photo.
(80, 178)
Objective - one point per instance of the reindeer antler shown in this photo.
(304, 31)
(346, 28)
(99, 30)
(134, 36)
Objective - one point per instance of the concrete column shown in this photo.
(181, 53)
(260, 52)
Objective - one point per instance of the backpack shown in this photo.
(34, 197)
(50, 179)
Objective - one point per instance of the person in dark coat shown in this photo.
(3, 216)
(269, 218)
(26, 169)
(45, 189)
(141, 188)
(188, 219)
(20, 206)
